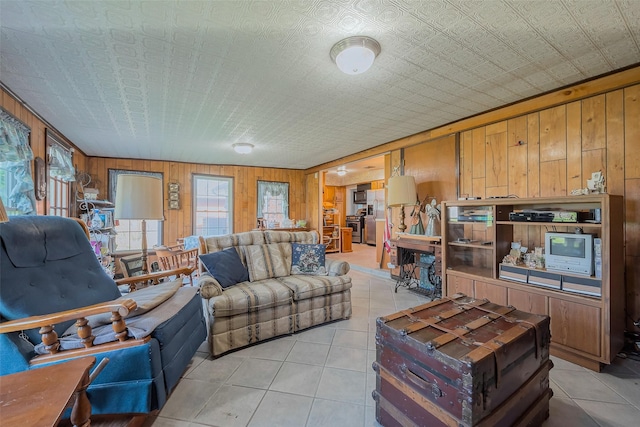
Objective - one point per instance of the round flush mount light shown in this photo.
(355, 55)
(243, 147)
(342, 171)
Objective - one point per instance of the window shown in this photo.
(129, 231)
(61, 175)
(273, 201)
(212, 205)
(129, 235)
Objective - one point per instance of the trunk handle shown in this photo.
(421, 382)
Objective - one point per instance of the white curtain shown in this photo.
(61, 164)
(16, 185)
(267, 189)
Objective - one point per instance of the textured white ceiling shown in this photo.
(183, 80)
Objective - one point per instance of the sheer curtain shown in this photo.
(267, 191)
(61, 163)
(16, 180)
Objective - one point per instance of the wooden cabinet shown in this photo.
(345, 239)
(377, 185)
(587, 326)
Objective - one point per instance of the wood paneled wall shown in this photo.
(37, 137)
(555, 150)
(178, 223)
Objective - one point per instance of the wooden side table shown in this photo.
(40, 396)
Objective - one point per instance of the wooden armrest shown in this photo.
(49, 336)
(153, 277)
(122, 307)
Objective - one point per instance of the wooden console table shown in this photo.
(40, 396)
(409, 248)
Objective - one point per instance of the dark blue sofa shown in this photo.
(47, 266)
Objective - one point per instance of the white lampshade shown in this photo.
(139, 197)
(355, 55)
(401, 191)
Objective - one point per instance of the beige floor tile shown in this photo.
(371, 386)
(315, 359)
(371, 343)
(557, 390)
(276, 349)
(370, 417)
(347, 338)
(325, 413)
(359, 312)
(583, 385)
(297, 378)
(168, 422)
(282, 410)
(309, 352)
(342, 385)
(354, 359)
(611, 414)
(565, 413)
(257, 373)
(559, 364)
(359, 301)
(217, 370)
(353, 324)
(231, 406)
(197, 360)
(188, 398)
(320, 334)
(626, 385)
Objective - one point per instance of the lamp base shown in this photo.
(402, 226)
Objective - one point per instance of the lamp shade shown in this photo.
(401, 190)
(3, 213)
(139, 197)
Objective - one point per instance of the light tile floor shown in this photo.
(323, 377)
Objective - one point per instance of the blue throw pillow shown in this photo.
(226, 267)
(308, 259)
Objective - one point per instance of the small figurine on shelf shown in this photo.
(433, 213)
(595, 185)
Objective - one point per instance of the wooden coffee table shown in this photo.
(40, 396)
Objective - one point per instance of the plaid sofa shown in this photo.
(257, 310)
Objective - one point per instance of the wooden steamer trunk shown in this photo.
(462, 362)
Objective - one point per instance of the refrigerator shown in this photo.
(375, 210)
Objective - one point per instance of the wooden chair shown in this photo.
(174, 257)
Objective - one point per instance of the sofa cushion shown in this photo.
(225, 266)
(275, 236)
(268, 261)
(308, 259)
(304, 286)
(218, 243)
(248, 297)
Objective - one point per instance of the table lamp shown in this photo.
(401, 191)
(139, 197)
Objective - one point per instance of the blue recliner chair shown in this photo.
(47, 266)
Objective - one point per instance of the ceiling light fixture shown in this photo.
(342, 170)
(355, 55)
(243, 147)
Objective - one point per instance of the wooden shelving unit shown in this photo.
(331, 238)
(585, 329)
